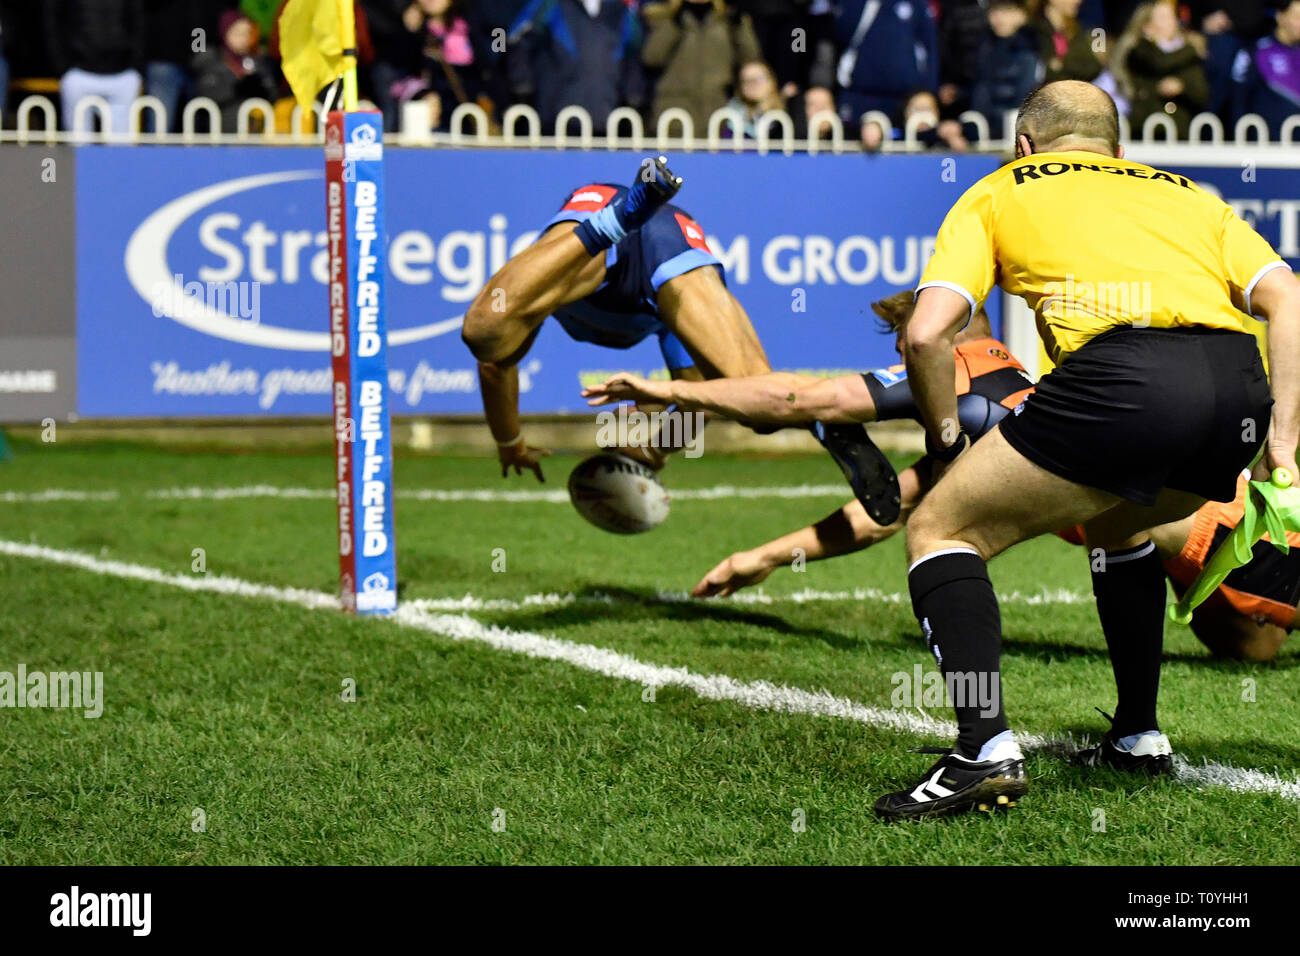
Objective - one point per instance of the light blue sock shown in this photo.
(1129, 742)
(991, 744)
(601, 230)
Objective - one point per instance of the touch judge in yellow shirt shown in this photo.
(1140, 281)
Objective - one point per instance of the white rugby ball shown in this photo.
(618, 494)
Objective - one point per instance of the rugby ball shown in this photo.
(618, 494)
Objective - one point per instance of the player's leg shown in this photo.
(564, 265)
(1128, 582)
(1229, 633)
(952, 535)
(950, 538)
(504, 319)
(553, 272)
(711, 325)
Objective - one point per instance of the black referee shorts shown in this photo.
(1138, 410)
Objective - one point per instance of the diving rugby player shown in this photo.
(615, 266)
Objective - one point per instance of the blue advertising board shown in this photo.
(201, 271)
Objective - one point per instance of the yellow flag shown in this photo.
(311, 47)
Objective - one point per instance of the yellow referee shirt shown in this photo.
(1092, 243)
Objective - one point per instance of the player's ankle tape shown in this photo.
(600, 231)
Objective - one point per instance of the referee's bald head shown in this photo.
(1069, 114)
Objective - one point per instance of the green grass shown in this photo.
(233, 704)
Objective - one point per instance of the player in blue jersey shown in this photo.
(615, 266)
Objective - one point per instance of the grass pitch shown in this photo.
(456, 752)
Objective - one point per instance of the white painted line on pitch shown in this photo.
(55, 494)
(548, 496)
(207, 582)
(756, 695)
(471, 603)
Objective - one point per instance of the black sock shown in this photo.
(953, 599)
(1130, 589)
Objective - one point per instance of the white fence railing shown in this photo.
(469, 125)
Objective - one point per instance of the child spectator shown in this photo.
(803, 107)
(432, 57)
(756, 94)
(931, 131)
(234, 72)
(698, 45)
(1159, 67)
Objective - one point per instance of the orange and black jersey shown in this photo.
(990, 383)
(1267, 588)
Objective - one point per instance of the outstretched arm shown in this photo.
(552, 272)
(778, 398)
(503, 320)
(841, 532)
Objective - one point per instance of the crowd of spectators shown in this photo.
(928, 59)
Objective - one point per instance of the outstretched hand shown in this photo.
(741, 570)
(624, 387)
(520, 456)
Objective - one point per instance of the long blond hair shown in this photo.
(1133, 35)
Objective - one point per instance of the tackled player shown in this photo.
(1247, 618)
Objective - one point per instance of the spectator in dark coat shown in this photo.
(577, 53)
(1066, 47)
(97, 48)
(235, 71)
(1160, 64)
(888, 50)
(175, 30)
(1007, 64)
(1225, 36)
(932, 132)
(1267, 77)
(435, 59)
(775, 23)
(699, 45)
(1247, 19)
(962, 25)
